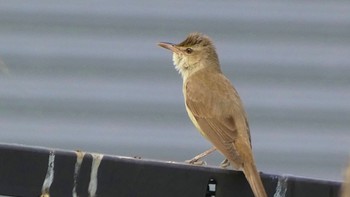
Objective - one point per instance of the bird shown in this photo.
(213, 104)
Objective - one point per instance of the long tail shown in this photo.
(254, 180)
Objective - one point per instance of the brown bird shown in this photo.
(213, 104)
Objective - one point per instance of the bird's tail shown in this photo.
(254, 180)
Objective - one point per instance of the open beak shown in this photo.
(167, 45)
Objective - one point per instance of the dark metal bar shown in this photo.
(32, 171)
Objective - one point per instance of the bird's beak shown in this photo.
(172, 47)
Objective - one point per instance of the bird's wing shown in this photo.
(217, 108)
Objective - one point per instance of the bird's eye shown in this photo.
(189, 50)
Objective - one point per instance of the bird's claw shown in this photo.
(225, 163)
(196, 162)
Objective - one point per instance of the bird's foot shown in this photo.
(225, 163)
(197, 159)
(196, 162)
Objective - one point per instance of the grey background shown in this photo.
(88, 75)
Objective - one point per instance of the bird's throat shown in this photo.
(183, 66)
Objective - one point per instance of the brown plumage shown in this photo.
(345, 189)
(213, 104)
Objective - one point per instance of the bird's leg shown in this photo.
(225, 163)
(195, 160)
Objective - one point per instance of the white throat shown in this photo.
(184, 67)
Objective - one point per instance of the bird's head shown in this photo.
(194, 53)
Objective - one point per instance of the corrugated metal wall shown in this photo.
(88, 75)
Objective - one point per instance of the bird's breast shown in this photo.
(194, 121)
(190, 114)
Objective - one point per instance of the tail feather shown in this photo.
(254, 180)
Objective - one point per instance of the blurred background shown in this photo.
(88, 75)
